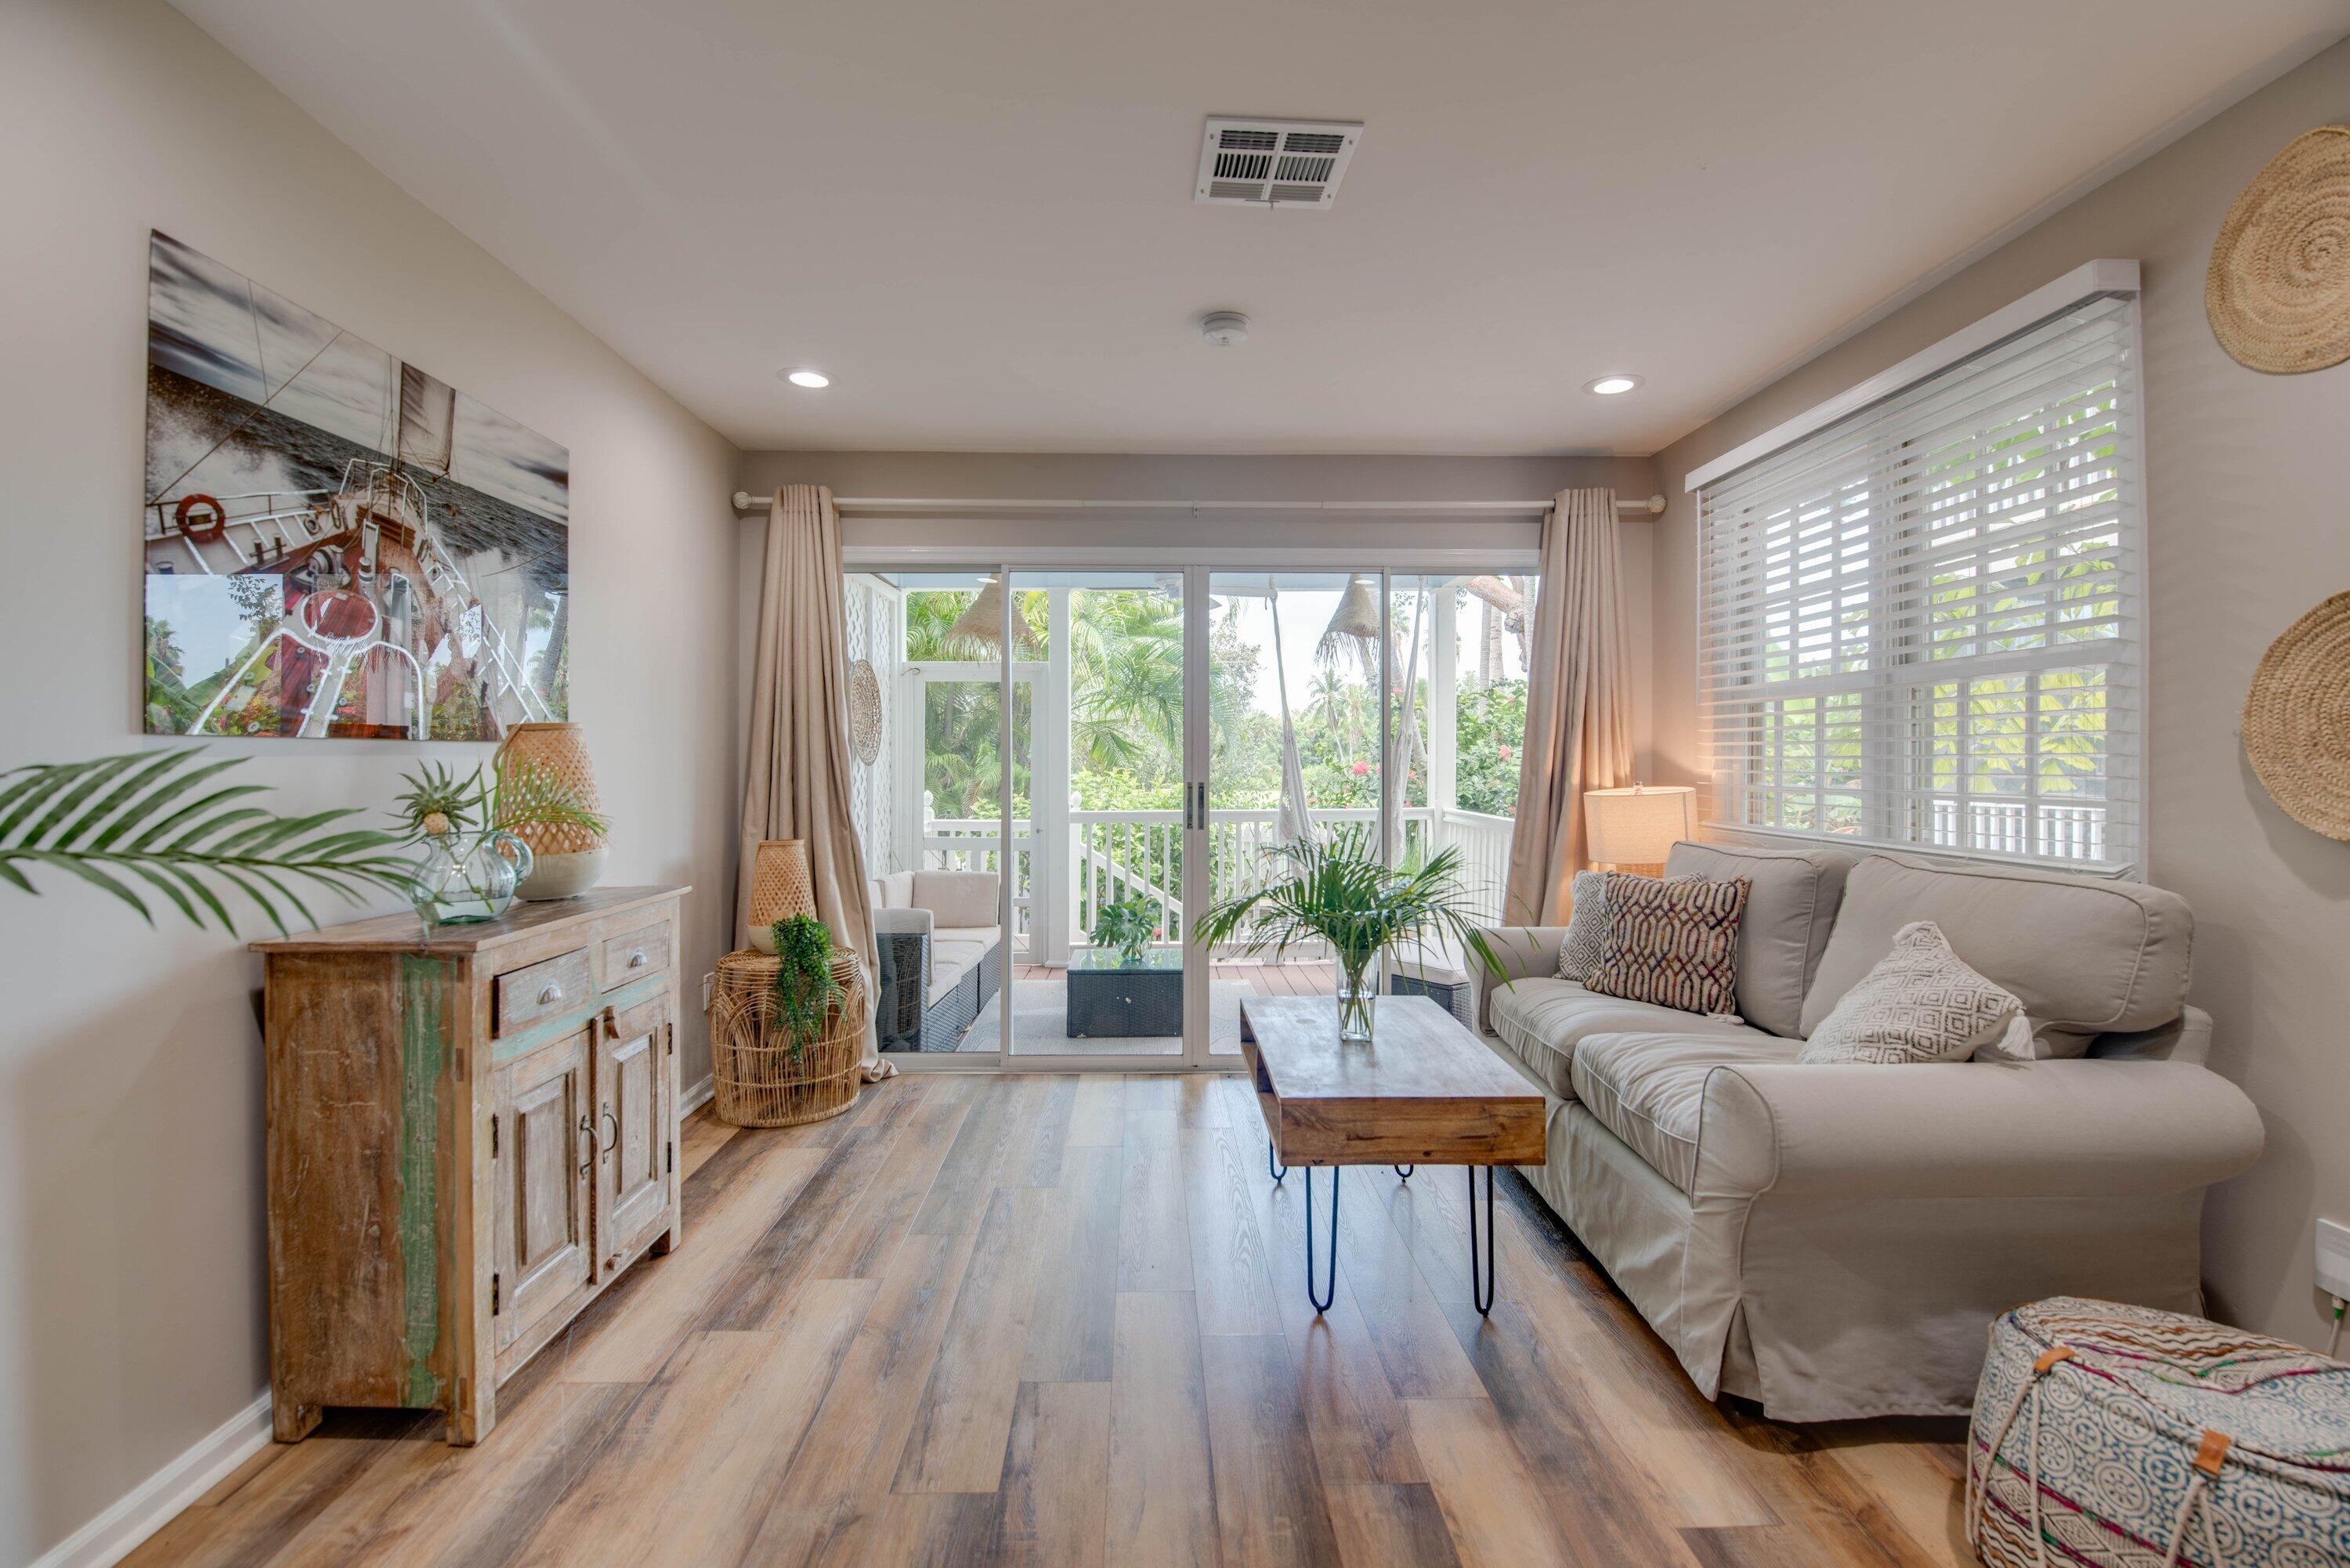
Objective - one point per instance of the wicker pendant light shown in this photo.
(983, 622)
(1353, 635)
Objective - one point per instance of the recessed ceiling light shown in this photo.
(806, 378)
(1611, 386)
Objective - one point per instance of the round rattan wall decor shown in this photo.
(2278, 292)
(2297, 719)
(863, 711)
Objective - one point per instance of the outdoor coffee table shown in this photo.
(1111, 999)
(1424, 1091)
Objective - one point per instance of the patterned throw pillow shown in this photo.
(1920, 1004)
(1586, 929)
(1672, 943)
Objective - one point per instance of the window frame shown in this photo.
(1896, 696)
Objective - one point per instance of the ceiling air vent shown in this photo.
(1274, 162)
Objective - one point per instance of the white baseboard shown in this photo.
(157, 1501)
(697, 1096)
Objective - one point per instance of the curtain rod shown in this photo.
(744, 501)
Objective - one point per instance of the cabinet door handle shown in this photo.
(616, 1132)
(637, 959)
(588, 1136)
(550, 996)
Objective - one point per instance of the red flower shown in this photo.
(1361, 770)
(1505, 749)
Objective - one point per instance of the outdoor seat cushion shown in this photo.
(957, 897)
(1791, 897)
(983, 935)
(950, 962)
(1543, 1020)
(894, 891)
(1649, 1089)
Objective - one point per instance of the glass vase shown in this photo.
(1358, 998)
(462, 877)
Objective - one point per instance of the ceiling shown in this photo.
(977, 216)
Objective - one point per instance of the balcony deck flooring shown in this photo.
(1072, 1331)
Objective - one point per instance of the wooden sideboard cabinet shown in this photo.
(470, 1136)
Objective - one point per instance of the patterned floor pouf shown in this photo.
(2125, 1437)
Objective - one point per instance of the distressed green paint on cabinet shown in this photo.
(449, 1187)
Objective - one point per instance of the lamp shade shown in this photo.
(1637, 826)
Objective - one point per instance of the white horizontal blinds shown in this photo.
(1921, 625)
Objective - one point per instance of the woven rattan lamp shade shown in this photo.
(2297, 719)
(2278, 291)
(781, 885)
(560, 752)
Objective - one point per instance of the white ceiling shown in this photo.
(977, 216)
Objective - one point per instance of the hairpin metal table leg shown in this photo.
(1403, 1172)
(1275, 1170)
(1330, 1283)
(1481, 1290)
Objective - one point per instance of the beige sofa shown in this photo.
(1833, 1241)
(942, 955)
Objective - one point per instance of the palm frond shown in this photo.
(1337, 892)
(117, 824)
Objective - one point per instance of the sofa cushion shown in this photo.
(957, 897)
(2084, 955)
(950, 962)
(1580, 950)
(1543, 1020)
(1791, 906)
(1671, 942)
(894, 891)
(1920, 1004)
(1649, 1089)
(983, 935)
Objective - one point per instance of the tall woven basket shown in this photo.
(762, 1079)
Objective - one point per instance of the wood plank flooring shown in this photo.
(1056, 1321)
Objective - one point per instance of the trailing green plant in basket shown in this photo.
(805, 988)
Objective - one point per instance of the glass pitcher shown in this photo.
(465, 877)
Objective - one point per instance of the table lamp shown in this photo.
(1632, 829)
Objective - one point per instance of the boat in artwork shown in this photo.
(338, 543)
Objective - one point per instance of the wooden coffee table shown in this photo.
(1424, 1091)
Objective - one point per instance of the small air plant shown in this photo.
(439, 801)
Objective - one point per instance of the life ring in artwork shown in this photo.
(201, 530)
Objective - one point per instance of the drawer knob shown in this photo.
(550, 996)
(637, 959)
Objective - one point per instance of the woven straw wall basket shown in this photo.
(2297, 719)
(863, 711)
(2278, 292)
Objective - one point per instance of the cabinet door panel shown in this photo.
(541, 1207)
(633, 1114)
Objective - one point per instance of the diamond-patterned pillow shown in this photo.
(1587, 927)
(1672, 943)
(1920, 1004)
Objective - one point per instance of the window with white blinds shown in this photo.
(1923, 624)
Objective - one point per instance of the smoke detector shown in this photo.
(1274, 162)
(1224, 328)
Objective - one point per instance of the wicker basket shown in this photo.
(761, 1081)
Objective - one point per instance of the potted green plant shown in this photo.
(1127, 924)
(1337, 892)
(804, 987)
(472, 860)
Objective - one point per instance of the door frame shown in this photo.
(1197, 564)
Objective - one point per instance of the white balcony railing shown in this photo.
(1140, 853)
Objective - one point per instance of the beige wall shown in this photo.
(131, 1318)
(2245, 478)
(1057, 476)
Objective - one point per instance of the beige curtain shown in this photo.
(798, 782)
(1578, 703)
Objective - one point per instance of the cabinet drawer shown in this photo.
(632, 955)
(540, 991)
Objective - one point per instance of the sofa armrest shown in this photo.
(1526, 951)
(901, 921)
(2037, 1129)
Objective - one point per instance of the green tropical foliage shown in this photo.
(804, 987)
(157, 819)
(1127, 923)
